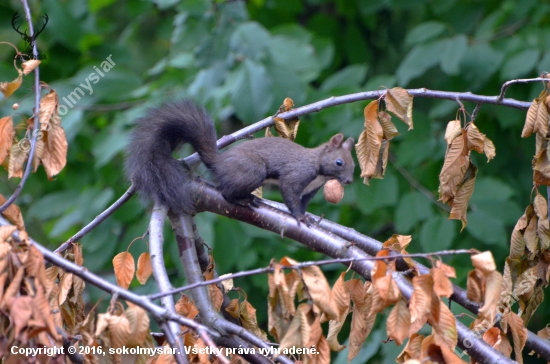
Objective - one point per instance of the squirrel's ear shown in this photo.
(348, 144)
(336, 141)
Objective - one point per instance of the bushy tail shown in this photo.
(149, 162)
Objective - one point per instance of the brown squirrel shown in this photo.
(300, 171)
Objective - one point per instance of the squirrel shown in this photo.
(300, 171)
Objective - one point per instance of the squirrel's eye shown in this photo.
(339, 163)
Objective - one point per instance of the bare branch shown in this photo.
(302, 265)
(36, 126)
(156, 242)
(522, 80)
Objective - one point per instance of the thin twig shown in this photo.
(521, 80)
(36, 126)
(476, 111)
(208, 341)
(98, 220)
(308, 264)
(417, 185)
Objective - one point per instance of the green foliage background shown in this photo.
(241, 60)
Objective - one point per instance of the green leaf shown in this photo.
(250, 40)
(487, 228)
(424, 32)
(53, 205)
(413, 207)
(452, 54)
(480, 63)
(294, 55)
(351, 76)
(520, 64)
(380, 193)
(252, 93)
(437, 233)
(421, 58)
(490, 188)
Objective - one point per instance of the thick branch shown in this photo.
(318, 240)
(156, 242)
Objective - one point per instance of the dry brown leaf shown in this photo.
(48, 110)
(6, 232)
(493, 286)
(319, 291)
(400, 103)
(30, 65)
(484, 262)
(382, 163)
(186, 308)
(475, 287)
(299, 331)
(65, 285)
(519, 335)
(233, 308)
(498, 340)
(249, 321)
(465, 190)
(139, 325)
(42, 311)
(517, 242)
(8, 88)
(532, 113)
(361, 321)
(442, 284)
(119, 330)
(455, 159)
(341, 297)
(38, 152)
(334, 328)
(124, 266)
(390, 131)
(445, 326)
(533, 303)
(144, 268)
(531, 238)
(541, 168)
(541, 125)
(6, 136)
(475, 138)
(489, 149)
(17, 158)
(388, 290)
(20, 313)
(370, 142)
(421, 298)
(13, 288)
(54, 156)
(398, 322)
(412, 349)
(454, 129)
(540, 206)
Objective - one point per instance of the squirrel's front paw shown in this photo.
(306, 219)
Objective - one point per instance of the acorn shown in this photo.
(333, 191)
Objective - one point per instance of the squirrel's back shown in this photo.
(149, 162)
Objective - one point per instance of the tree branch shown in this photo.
(511, 82)
(156, 241)
(317, 239)
(36, 125)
